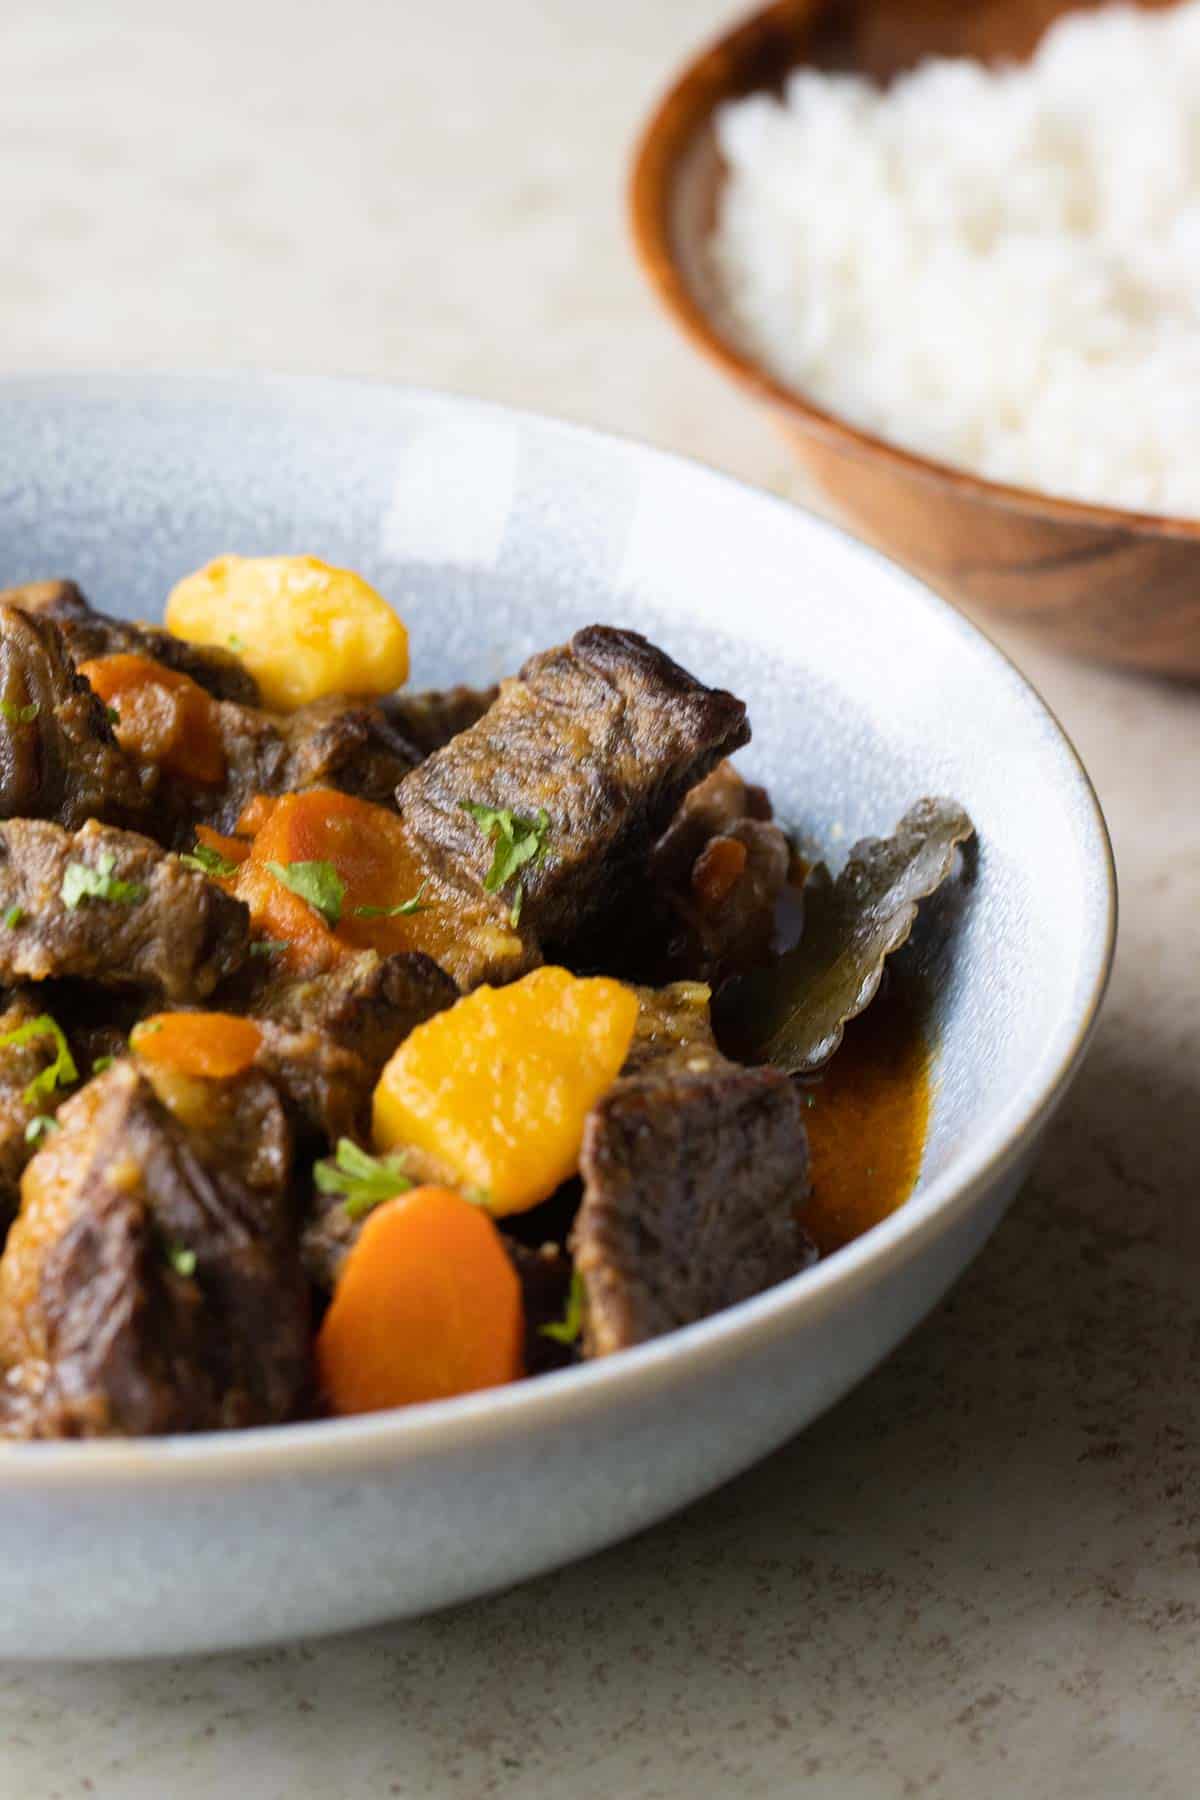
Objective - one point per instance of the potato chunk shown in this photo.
(498, 1088)
(302, 628)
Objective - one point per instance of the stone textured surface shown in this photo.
(982, 1572)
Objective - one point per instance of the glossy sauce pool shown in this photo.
(867, 1114)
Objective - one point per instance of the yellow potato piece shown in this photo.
(303, 628)
(498, 1088)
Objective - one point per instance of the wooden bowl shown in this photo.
(1119, 586)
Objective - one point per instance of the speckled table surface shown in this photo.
(981, 1573)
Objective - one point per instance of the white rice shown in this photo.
(1000, 269)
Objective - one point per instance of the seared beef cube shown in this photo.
(346, 744)
(152, 1282)
(325, 1089)
(713, 808)
(674, 1033)
(691, 1185)
(334, 743)
(605, 735)
(715, 879)
(165, 928)
(428, 721)
(58, 756)
(367, 1003)
(90, 634)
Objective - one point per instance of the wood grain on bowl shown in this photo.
(1101, 582)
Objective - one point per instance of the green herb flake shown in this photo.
(14, 917)
(81, 883)
(405, 909)
(317, 882)
(101, 1063)
(112, 715)
(40, 1127)
(20, 715)
(364, 1181)
(182, 1260)
(269, 946)
(567, 1330)
(519, 843)
(209, 862)
(235, 643)
(61, 1072)
(145, 1028)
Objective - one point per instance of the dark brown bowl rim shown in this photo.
(671, 126)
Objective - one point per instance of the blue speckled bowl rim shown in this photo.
(344, 1446)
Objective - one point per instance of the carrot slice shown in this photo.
(428, 1305)
(163, 716)
(211, 1045)
(233, 849)
(382, 876)
(255, 814)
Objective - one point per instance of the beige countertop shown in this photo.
(981, 1573)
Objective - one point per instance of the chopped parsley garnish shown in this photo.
(101, 1063)
(268, 946)
(209, 862)
(112, 715)
(363, 1180)
(20, 715)
(519, 842)
(567, 1329)
(40, 1127)
(144, 1027)
(235, 643)
(182, 1260)
(405, 909)
(317, 882)
(14, 916)
(59, 1073)
(80, 883)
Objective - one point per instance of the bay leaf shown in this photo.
(793, 1013)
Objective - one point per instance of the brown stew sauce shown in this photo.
(867, 1115)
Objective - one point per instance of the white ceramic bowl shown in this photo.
(497, 533)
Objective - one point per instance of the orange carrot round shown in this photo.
(428, 1305)
(211, 1045)
(163, 716)
(233, 849)
(381, 875)
(718, 869)
(255, 814)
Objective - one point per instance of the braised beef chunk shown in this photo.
(336, 743)
(90, 634)
(691, 1184)
(347, 744)
(605, 735)
(428, 721)
(674, 1033)
(366, 1003)
(711, 887)
(111, 907)
(151, 1283)
(325, 1088)
(58, 757)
